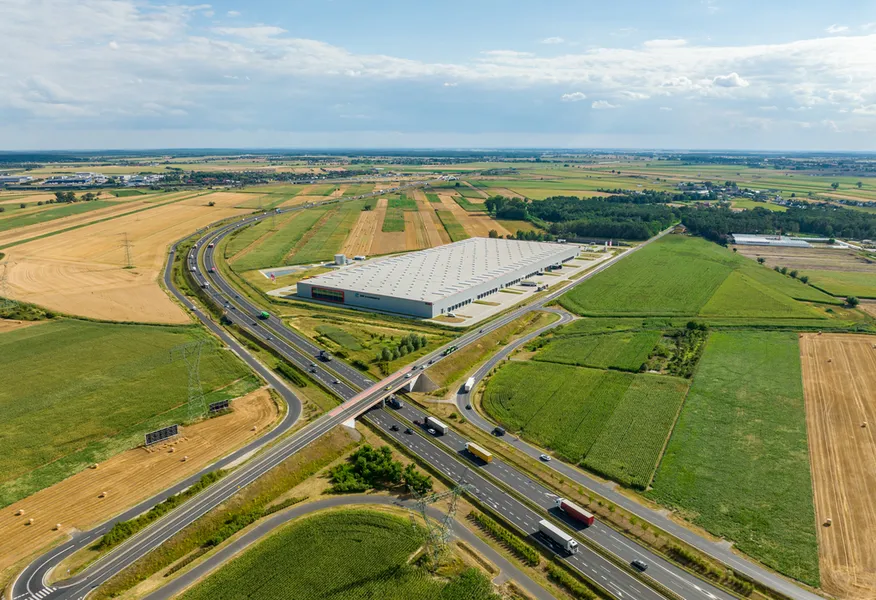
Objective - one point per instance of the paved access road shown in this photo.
(507, 568)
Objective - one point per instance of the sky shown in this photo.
(674, 74)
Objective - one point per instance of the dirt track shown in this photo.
(127, 478)
(10, 324)
(839, 378)
(82, 272)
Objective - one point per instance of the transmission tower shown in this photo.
(439, 532)
(129, 262)
(191, 354)
(6, 302)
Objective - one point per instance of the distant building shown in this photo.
(747, 239)
(14, 179)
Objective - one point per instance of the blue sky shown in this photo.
(85, 74)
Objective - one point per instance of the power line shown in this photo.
(439, 532)
(191, 354)
(129, 263)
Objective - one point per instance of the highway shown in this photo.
(441, 454)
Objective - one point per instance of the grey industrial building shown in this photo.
(437, 281)
(748, 239)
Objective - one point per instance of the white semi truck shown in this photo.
(558, 536)
(469, 384)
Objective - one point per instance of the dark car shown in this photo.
(639, 565)
(393, 427)
(499, 431)
(409, 431)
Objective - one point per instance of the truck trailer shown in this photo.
(437, 425)
(469, 383)
(558, 536)
(479, 452)
(575, 511)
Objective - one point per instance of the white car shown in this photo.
(408, 376)
(431, 431)
(545, 458)
(336, 381)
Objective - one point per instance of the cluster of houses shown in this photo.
(82, 179)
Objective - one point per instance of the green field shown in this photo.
(616, 421)
(688, 276)
(453, 228)
(402, 202)
(246, 236)
(272, 249)
(394, 221)
(433, 198)
(844, 283)
(53, 212)
(76, 392)
(305, 561)
(750, 204)
(340, 337)
(470, 206)
(738, 462)
(627, 351)
(326, 240)
(468, 192)
(126, 193)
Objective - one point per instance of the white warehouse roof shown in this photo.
(430, 275)
(748, 239)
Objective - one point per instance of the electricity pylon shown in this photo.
(191, 354)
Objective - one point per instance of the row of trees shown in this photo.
(68, 197)
(717, 223)
(408, 344)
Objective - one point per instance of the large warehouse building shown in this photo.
(437, 281)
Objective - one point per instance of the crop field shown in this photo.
(843, 452)
(748, 203)
(304, 561)
(452, 226)
(129, 477)
(860, 284)
(680, 275)
(737, 463)
(245, 237)
(569, 409)
(629, 446)
(433, 198)
(52, 212)
(83, 271)
(469, 206)
(74, 390)
(329, 234)
(627, 351)
(272, 249)
(744, 296)
(674, 276)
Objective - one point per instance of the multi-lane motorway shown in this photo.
(497, 485)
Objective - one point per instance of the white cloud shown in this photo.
(633, 95)
(730, 81)
(603, 105)
(834, 29)
(711, 5)
(113, 45)
(869, 110)
(553, 40)
(233, 13)
(573, 97)
(450, 84)
(665, 108)
(659, 44)
(768, 108)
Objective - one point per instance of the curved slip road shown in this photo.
(507, 568)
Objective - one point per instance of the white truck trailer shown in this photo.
(558, 536)
(468, 384)
(437, 425)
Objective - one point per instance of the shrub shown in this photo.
(514, 543)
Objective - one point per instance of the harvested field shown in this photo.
(476, 225)
(868, 307)
(302, 199)
(363, 232)
(839, 383)
(803, 259)
(337, 193)
(435, 233)
(82, 272)
(415, 232)
(222, 199)
(121, 207)
(128, 478)
(385, 242)
(26, 198)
